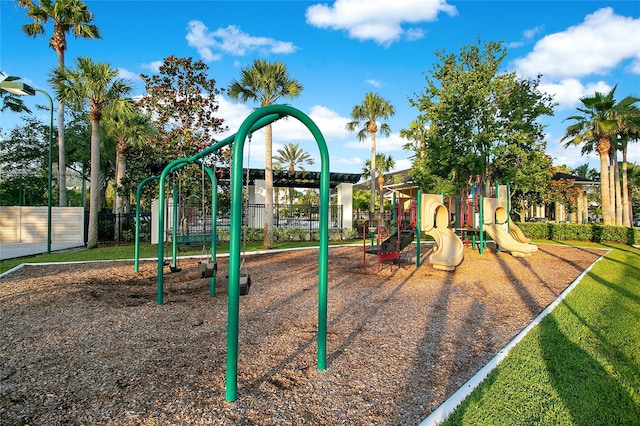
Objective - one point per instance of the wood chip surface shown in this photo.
(86, 344)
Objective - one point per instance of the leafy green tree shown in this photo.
(23, 160)
(95, 85)
(67, 16)
(366, 114)
(291, 156)
(360, 199)
(264, 83)
(586, 172)
(127, 127)
(599, 123)
(475, 121)
(384, 163)
(183, 102)
(78, 141)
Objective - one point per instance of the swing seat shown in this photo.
(207, 268)
(245, 283)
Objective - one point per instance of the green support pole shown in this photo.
(174, 231)
(418, 226)
(508, 207)
(483, 243)
(394, 215)
(214, 231)
(161, 194)
(235, 231)
(137, 241)
(138, 196)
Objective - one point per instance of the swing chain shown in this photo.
(246, 206)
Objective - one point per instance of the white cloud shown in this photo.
(595, 46)
(570, 156)
(232, 40)
(568, 92)
(128, 75)
(374, 83)
(330, 123)
(413, 34)
(378, 20)
(531, 32)
(152, 66)
(385, 145)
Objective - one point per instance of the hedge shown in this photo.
(580, 232)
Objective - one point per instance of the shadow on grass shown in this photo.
(589, 393)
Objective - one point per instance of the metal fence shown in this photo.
(107, 223)
(301, 216)
(191, 221)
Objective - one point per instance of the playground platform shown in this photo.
(15, 250)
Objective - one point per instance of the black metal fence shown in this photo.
(108, 223)
(302, 216)
(191, 221)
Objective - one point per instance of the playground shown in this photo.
(88, 344)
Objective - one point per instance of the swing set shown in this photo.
(256, 120)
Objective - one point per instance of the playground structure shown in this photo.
(473, 215)
(448, 252)
(506, 236)
(255, 121)
(483, 210)
(386, 243)
(431, 217)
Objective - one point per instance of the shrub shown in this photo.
(580, 232)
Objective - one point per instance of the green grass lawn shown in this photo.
(579, 366)
(146, 251)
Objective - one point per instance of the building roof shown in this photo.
(295, 179)
(577, 179)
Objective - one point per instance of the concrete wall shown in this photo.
(29, 224)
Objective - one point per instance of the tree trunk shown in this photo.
(62, 161)
(372, 199)
(605, 196)
(94, 200)
(626, 210)
(380, 185)
(120, 201)
(618, 189)
(267, 242)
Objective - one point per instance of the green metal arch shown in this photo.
(235, 235)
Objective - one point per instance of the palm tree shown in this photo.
(127, 127)
(291, 156)
(631, 133)
(384, 163)
(600, 123)
(94, 84)
(372, 108)
(264, 83)
(67, 16)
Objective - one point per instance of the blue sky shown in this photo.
(341, 50)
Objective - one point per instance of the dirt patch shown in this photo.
(87, 343)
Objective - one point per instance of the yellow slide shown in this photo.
(495, 225)
(503, 239)
(448, 252)
(518, 235)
